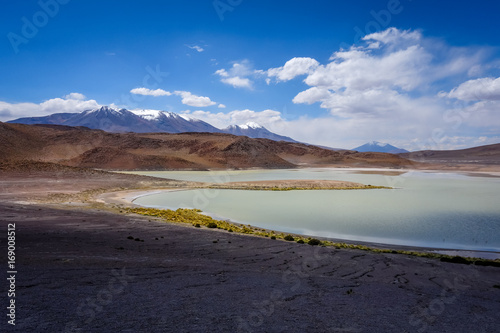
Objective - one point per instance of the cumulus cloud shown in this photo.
(312, 95)
(237, 82)
(187, 97)
(77, 96)
(73, 102)
(390, 72)
(292, 68)
(265, 118)
(194, 100)
(479, 89)
(240, 75)
(150, 92)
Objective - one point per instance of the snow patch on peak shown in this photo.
(187, 117)
(148, 114)
(103, 109)
(154, 115)
(250, 124)
(376, 143)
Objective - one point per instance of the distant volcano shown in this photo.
(379, 147)
(254, 130)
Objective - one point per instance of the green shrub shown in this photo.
(289, 238)
(314, 241)
(197, 225)
(457, 260)
(273, 237)
(300, 241)
(212, 225)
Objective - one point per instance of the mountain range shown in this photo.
(90, 148)
(146, 121)
(380, 147)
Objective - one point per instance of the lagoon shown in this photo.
(425, 209)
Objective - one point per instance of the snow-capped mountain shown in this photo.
(174, 123)
(122, 120)
(147, 121)
(379, 147)
(254, 130)
(143, 121)
(111, 120)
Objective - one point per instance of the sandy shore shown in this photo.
(84, 267)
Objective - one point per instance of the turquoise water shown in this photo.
(440, 210)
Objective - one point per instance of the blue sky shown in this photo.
(417, 74)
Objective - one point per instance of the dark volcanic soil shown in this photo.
(79, 270)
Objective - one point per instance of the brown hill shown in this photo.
(486, 155)
(83, 147)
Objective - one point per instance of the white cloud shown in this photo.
(390, 75)
(196, 47)
(312, 95)
(292, 68)
(358, 69)
(392, 36)
(239, 75)
(265, 118)
(222, 72)
(77, 96)
(328, 131)
(237, 82)
(150, 92)
(475, 90)
(194, 100)
(70, 103)
(187, 97)
(221, 106)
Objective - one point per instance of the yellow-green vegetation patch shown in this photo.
(294, 188)
(194, 217)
